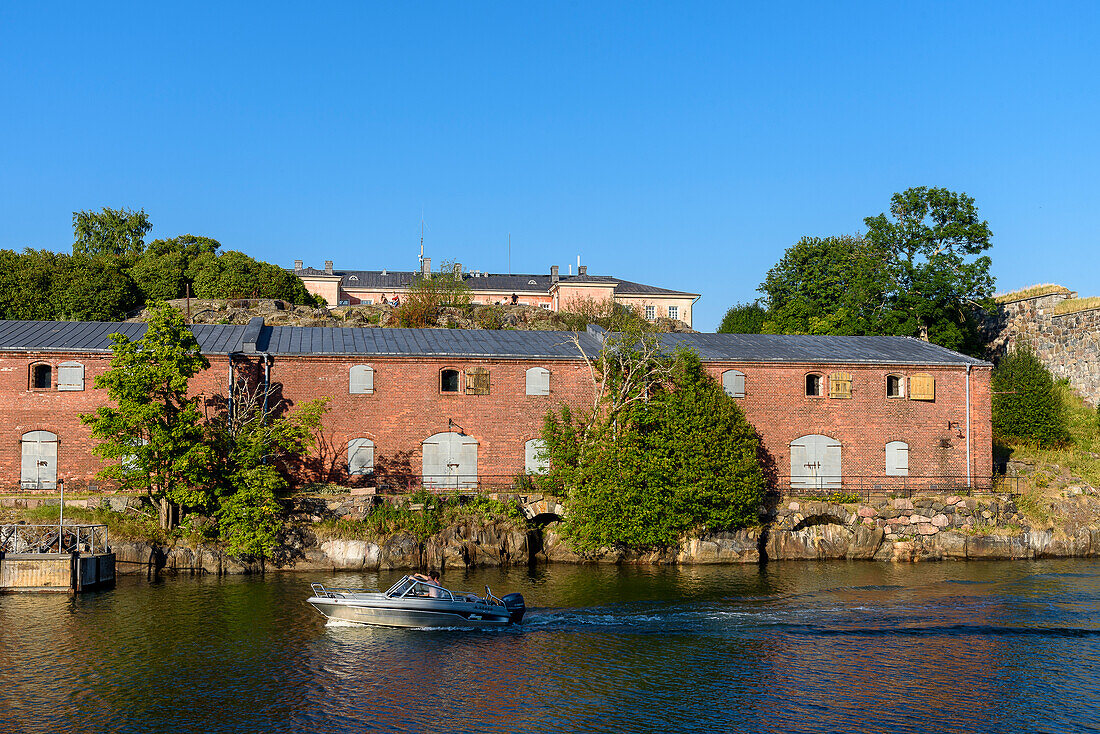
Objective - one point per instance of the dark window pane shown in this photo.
(449, 381)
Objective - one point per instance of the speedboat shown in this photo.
(412, 602)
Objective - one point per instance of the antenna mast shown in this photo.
(509, 253)
(421, 261)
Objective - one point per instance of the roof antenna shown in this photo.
(509, 253)
(420, 262)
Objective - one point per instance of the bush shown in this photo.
(1026, 405)
(743, 318)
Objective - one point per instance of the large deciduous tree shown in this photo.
(918, 272)
(153, 434)
(111, 232)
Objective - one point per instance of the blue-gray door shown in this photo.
(815, 463)
(39, 461)
(450, 460)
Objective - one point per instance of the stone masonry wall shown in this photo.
(1068, 344)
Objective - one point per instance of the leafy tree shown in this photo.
(236, 275)
(1025, 404)
(664, 452)
(155, 435)
(426, 296)
(27, 284)
(826, 285)
(112, 232)
(90, 288)
(743, 318)
(939, 278)
(168, 267)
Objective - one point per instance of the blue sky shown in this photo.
(680, 144)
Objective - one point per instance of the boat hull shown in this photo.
(409, 613)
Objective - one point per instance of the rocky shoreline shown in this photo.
(889, 530)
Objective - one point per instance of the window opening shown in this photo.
(840, 385)
(813, 385)
(733, 381)
(448, 381)
(650, 312)
(477, 381)
(674, 312)
(41, 377)
(895, 386)
(70, 376)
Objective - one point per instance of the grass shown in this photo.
(120, 525)
(1079, 458)
(1073, 305)
(1034, 291)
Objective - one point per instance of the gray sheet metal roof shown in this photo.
(77, 336)
(827, 349)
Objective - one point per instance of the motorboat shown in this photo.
(413, 602)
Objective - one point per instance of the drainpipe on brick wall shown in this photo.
(968, 426)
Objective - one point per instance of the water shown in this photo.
(816, 647)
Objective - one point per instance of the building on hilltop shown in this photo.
(555, 291)
(463, 408)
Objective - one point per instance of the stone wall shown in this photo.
(1068, 344)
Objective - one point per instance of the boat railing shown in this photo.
(407, 588)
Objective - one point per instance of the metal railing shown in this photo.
(52, 539)
(880, 486)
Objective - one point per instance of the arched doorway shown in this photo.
(450, 461)
(815, 463)
(39, 464)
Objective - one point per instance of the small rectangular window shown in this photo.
(895, 386)
(448, 381)
(650, 313)
(477, 381)
(545, 305)
(674, 312)
(41, 377)
(70, 376)
(813, 385)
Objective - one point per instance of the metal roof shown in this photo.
(83, 336)
(799, 348)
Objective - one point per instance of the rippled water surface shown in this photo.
(818, 647)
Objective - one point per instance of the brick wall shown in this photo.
(407, 407)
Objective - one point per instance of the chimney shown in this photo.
(297, 264)
(328, 267)
(582, 270)
(553, 274)
(425, 267)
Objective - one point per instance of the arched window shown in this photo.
(39, 460)
(733, 381)
(41, 376)
(815, 463)
(897, 459)
(70, 376)
(895, 386)
(448, 380)
(538, 381)
(360, 456)
(449, 460)
(813, 385)
(534, 460)
(361, 380)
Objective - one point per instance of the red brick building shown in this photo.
(455, 408)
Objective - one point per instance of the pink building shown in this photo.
(554, 291)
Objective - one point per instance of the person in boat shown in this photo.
(431, 581)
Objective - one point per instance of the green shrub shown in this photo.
(1026, 405)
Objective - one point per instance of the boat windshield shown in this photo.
(408, 586)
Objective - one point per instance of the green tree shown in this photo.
(88, 288)
(111, 232)
(663, 452)
(1025, 404)
(168, 267)
(743, 318)
(933, 243)
(826, 285)
(155, 436)
(236, 275)
(27, 282)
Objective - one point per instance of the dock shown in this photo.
(69, 558)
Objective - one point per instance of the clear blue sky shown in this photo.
(679, 144)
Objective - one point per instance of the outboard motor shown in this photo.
(515, 606)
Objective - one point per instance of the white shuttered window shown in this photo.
(70, 376)
(538, 381)
(361, 380)
(360, 456)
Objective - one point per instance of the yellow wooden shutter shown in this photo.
(922, 386)
(477, 381)
(840, 385)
